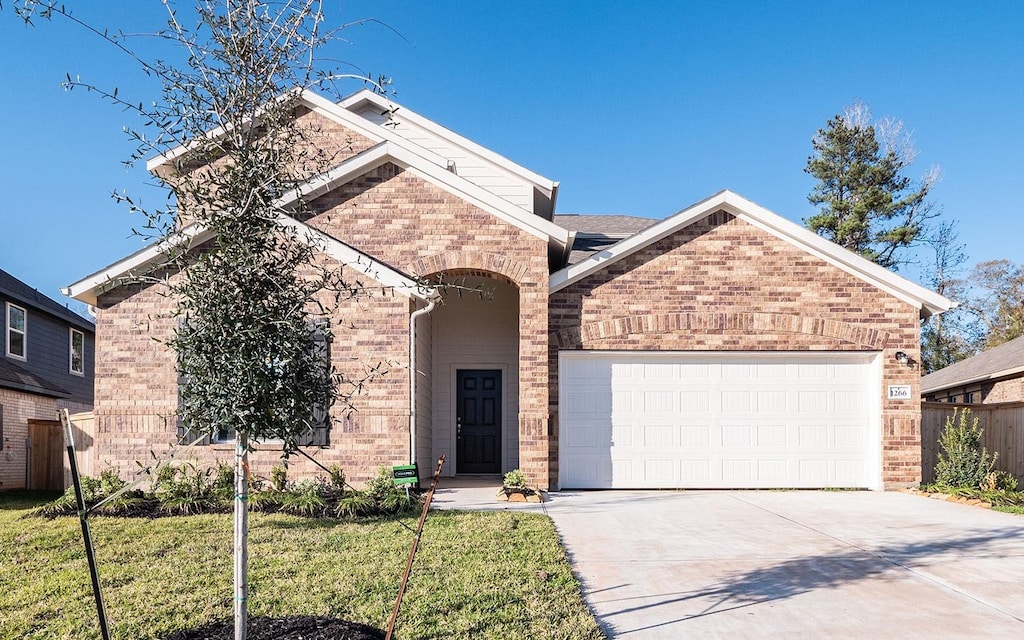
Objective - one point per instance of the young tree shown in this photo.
(248, 358)
(866, 203)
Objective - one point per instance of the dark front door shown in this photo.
(478, 421)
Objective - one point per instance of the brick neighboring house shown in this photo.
(721, 347)
(47, 355)
(995, 375)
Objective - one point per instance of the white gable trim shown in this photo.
(927, 301)
(358, 261)
(325, 108)
(366, 96)
(89, 288)
(436, 175)
(216, 133)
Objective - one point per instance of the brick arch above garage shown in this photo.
(736, 330)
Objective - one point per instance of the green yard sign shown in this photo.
(405, 474)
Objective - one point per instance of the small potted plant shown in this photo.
(515, 489)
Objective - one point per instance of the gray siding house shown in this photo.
(47, 362)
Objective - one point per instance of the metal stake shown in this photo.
(415, 545)
(83, 517)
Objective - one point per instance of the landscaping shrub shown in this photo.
(999, 481)
(515, 479)
(279, 477)
(187, 489)
(963, 461)
(308, 498)
(387, 497)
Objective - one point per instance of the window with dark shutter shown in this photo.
(318, 436)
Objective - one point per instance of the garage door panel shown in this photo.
(773, 401)
(657, 420)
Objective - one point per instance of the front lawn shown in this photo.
(477, 575)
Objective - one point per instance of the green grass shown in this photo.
(477, 575)
(1019, 510)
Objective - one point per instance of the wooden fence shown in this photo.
(1004, 434)
(83, 428)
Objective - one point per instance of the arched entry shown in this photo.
(468, 403)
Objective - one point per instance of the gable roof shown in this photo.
(598, 232)
(344, 113)
(24, 294)
(365, 97)
(151, 257)
(928, 302)
(998, 362)
(400, 155)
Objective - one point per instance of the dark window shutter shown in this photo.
(1, 427)
(319, 436)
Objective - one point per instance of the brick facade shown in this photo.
(724, 285)
(400, 219)
(720, 284)
(413, 225)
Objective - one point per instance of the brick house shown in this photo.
(47, 355)
(992, 376)
(721, 347)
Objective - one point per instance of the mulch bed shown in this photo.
(290, 628)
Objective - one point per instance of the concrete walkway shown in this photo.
(786, 564)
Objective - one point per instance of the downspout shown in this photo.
(412, 376)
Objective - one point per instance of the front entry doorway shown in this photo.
(478, 421)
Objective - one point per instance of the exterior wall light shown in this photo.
(902, 357)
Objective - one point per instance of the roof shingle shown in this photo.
(1006, 359)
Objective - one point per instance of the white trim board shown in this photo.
(89, 288)
(365, 96)
(928, 302)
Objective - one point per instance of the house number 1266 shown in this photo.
(899, 392)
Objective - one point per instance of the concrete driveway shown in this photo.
(793, 564)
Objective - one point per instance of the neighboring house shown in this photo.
(996, 375)
(721, 347)
(47, 355)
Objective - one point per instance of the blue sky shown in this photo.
(636, 108)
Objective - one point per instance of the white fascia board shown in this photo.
(347, 171)
(365, 95)
(927, 301)
(357, 260)
(88, 288)
(982, 378)
(307, 98)
(213, 134)
(576, 272)
(466, 190)
(458, 186)
(898, 286)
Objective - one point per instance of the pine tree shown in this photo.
(865, 202)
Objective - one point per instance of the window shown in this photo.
(16, 318)
(969, 397)
(77, 360)
(320, 434)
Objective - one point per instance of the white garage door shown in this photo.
(716, 420)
